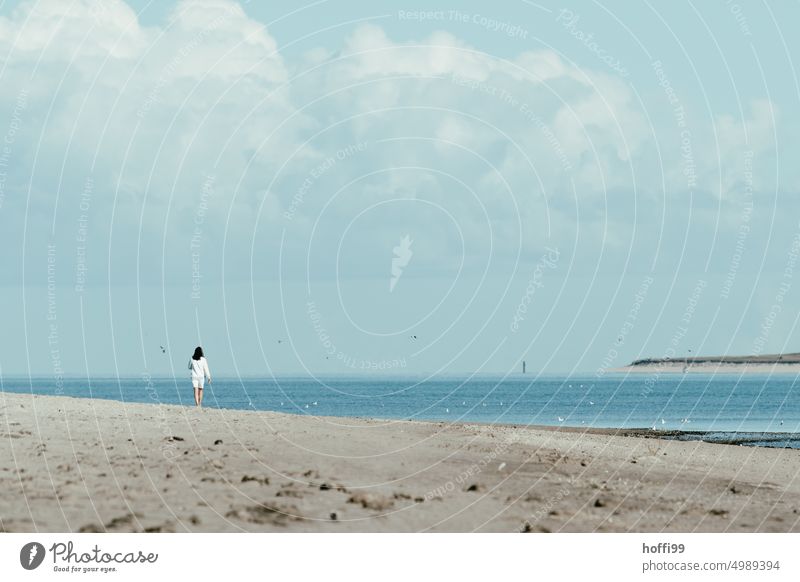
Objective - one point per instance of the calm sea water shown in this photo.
(673, 402)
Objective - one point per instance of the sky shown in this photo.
(395, 187)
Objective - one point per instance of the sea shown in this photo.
(749, 410)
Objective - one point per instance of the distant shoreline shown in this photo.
(766, 364)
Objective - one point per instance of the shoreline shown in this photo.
(82, 465)
(682, 367)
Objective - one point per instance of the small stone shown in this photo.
(599, 503)
(261, 480)
(216, 442)
(324, 487)
(334, 517)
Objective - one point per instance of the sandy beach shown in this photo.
(83, 465)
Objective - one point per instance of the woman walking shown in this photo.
(199, 367)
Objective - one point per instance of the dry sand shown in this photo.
(71, 464)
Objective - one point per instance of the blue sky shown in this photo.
(580, 185)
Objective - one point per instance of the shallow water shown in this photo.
(721, 404)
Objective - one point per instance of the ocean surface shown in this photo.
(720, 405)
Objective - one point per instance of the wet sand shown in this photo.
(72, 465)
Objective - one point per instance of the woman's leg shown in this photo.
(196, 395)
(200, 398)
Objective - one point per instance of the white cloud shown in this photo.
(144, 98)
(158, 108)
(754, 135)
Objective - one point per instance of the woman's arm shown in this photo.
(208, 373)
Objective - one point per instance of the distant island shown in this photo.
(767, 363)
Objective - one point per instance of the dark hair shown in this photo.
(198, 353)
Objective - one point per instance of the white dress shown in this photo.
(199, 370)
